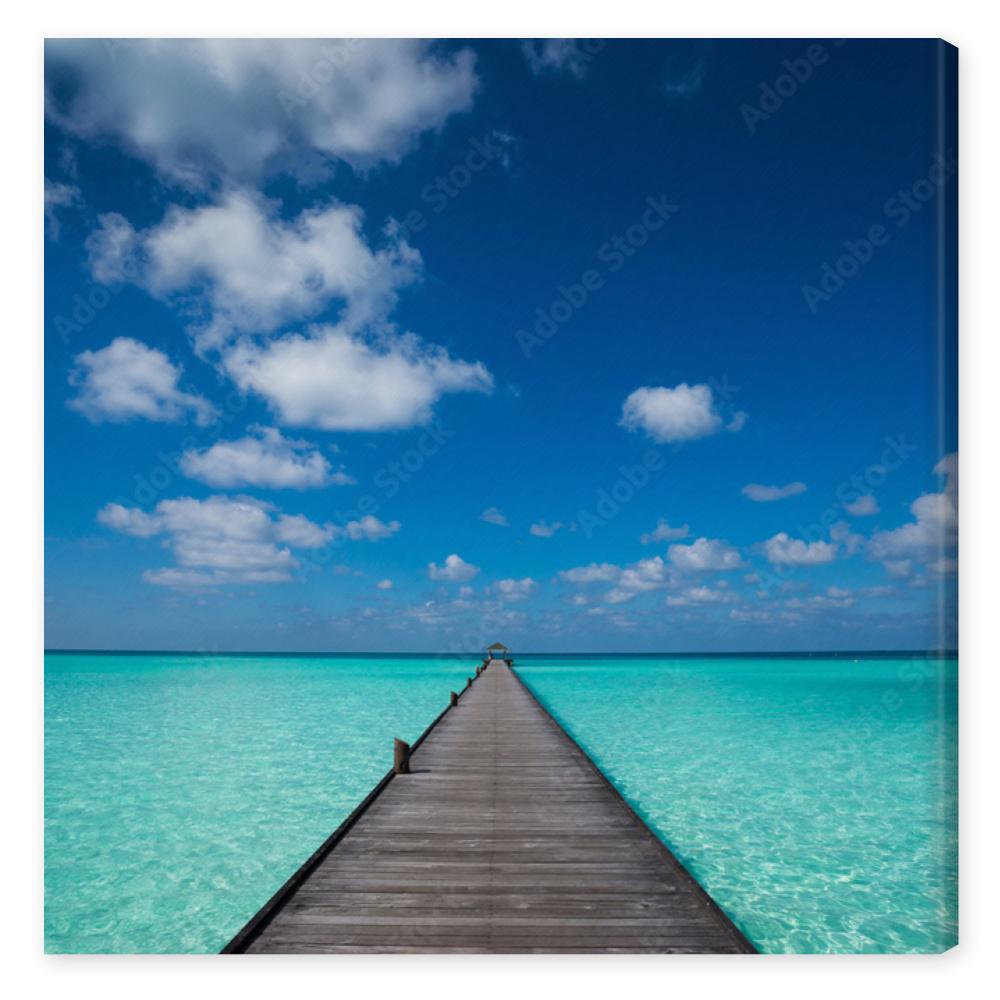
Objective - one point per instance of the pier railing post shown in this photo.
(400, 756)
(454, 699)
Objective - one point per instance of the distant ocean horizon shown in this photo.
(476, 654)
(813, 795)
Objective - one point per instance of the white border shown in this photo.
(969, 25)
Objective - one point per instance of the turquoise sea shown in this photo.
(813, 797)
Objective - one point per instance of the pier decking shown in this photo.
(504, 837)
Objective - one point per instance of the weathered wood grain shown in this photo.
(504, 837)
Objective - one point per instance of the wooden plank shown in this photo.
(504, 837)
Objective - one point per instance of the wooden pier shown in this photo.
(503, 837)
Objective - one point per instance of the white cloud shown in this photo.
(182, 579)
(646, 574)
(128, 380)
(236, 266)
(840, 532)
(239, 109)
(262, 458)
(705, 555)
(781, 550)
(232, 539)
(298, 531)
(943, 566)
(765, 494)
(370, 529)
(864, 506)
(335, 381)
(542, 529)
(384, 584)
(684, 413)
(129, 520)
(594, 573)
(492, 515)
(934, 529)
(835, 597)
(58, 195)
(555, 55)
(898, 569)
(514, 590)
(702, 596)
(751, 616)
(220, 539)
(664, 533)
(454, 569)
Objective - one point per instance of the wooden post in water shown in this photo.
(400, 756)
(454, 700)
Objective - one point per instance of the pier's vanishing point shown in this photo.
(495, 832)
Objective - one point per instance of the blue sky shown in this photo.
(584, 345)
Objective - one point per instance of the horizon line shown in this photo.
(475, 653)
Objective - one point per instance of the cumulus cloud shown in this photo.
(454, 569)
(781, 550)
(864, 506)
(664, 533)
(129, 381)
(542, 529)
(220, 540)
(898, 569)
(236, 266)
(240, 272)
(130, 520)
(57, 196)
(239, 109)
(705, 555)
(370, 529)
(298, 531)
(646, 574)
(384, 584)
(514, 590)
(751, 616)
(695, 596)
(594, 573)
(765, 494)
(224, 539)
(263, 458)
(556, 55)
(492, 515)
(335, 381)
(683, 413)
(840, 532)
(934, 530)
(835, 597)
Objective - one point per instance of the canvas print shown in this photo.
(501, 495)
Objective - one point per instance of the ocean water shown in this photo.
(813, 798)
(181, 791)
